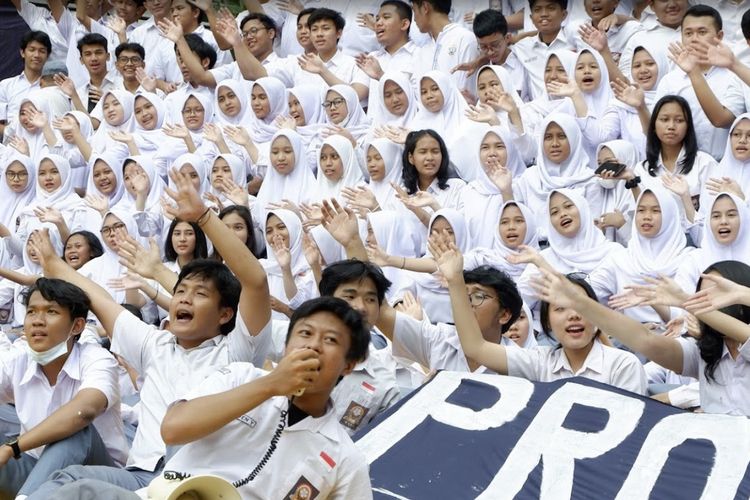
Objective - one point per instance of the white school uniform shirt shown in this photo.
(617, 37)
(402, 60)
(434, 346)
(13, 91)
(731, 18)
(454, 45)
(342, 65)
(729, 392)
(157, 48)
(728, 89)
(533, 53)
(451, 196)
(603, 364)
(88, 366)
(108, 83)
(41, 19)
(169, 372)
(316, 452)
(704, 167)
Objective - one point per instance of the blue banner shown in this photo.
(466, 435)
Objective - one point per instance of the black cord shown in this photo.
(172, 475)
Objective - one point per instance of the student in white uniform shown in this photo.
(242, 416)
(215, 319)
(580, 353)
(719, 359)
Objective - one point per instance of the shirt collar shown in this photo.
(71, 367)
(559, 38)
(212, 342)
(327, 424)
(594, 361)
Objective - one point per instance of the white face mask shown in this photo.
(48, 356)
(607, 183)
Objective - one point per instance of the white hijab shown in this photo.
(311, 100)
(586, 250)
(115, 164)
(298, 186)
(531, 341)
(149, 141)
(574, 170)
(356, 121)
(201, 168)
(731, 167)
(451, 116)
(101, 141)
(601, 98)
(379, 112)
(52, 103)
(392, 159)
(663, 253)
(461, 234)
(263, 130)
(712, 251)
(351, 176)
(239, 176)
(242, 90)
(156, 188)
(63, 198)
(13, 204)
(506, 81)
(659, 55)
(546, 104)
(294, 227)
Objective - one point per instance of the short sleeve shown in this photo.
(134, 340)
(245, 347)
(355, 480)
(411, 338)
(100, 372)
(690, 358)
(525, 363)
(224, 379)
(629, 374)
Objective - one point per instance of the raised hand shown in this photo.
(676, 183)
(340, 222)
(212, 132)
(312, 63)
(610, 219)
(66, 124)
(208, 196)
(203, 5)
(170, 30)
(501, 101)
(560, 89)
(311, 251)
(238, 135)
(714, 53)
(628, 93)
(377, 255)
(448, 258)
(148, 82)
(281, 252)
(421, 199)
(19, 144)
(683, 57)
(360, 196)
(294, 7)
(289, 205)
(177, 131)
(625, 300)
(128, 281)
(607, 22)
(141, 183)
(67, 85)
(190, 207)
(234, 192)
(499, 175)
(117, 24)
(311, 212)
(482, 113)
(120, 136)
(228, 29)
(41, 245)
(524, 255)
(284, 121)
(556, 289)
(38, 118)
(394, 134)
(410, 305)
(138, 259)
(97, 202)
(661, 291)
(370, 66)
(724, 185)
(366, 20)
(49, 214)
(722, 293)
(593, 37)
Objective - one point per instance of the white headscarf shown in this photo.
(545, 104)
(311, 100)
(601, 98)
(63, 198)
(294, 227)
(451, 116)
(379, 112)
(13, 204)
(586, 250)
(115, 164)
(351, 176)
(661, 254)
(624, 151)
(84, 123)
(356, 121)
(383, 191)
(712, 251)
(199, 164)
(531, 341)
(239, 176)
(156, 189)
(101, 141)
(298, 186)
(731, 167)
(574, 170)
(149, 141)
(461, 234)
(659, 55)
(263, 130)
(242, 90)
(52, 103)
(506, 81)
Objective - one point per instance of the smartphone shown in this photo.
(610, 166)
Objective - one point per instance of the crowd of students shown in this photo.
(230, 242)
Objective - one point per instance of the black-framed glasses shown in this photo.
(107, 230)
(16, 175)
(129, 60)
(252, 31)
(476, 299)
(334, 103)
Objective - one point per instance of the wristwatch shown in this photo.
(13, 443)
(633, 182)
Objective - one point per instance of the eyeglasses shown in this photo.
(252, 32)
(129, 60)
(107, 230)
(476, 299)
(334, 104)
(493, 46)
(16, 175)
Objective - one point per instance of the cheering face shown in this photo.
(555, 144)
(564, 215)
(512, 227)
(389, 27)
(362, 296)
(111, 227)
(259, 102)
(17, 177)
(432, 97)
(105, 180)
(296, 111)
(113, 111)
(599, 9)
(740, 137)
(671, 124)
(189, 170)
(588, 73)
(183, 239)
(193, 114)
(336, 108)
(282, 155)
(725, 220)
(331, 164)
(228, 102)
(375, 165)
(145, 113)
(24, 116)
(49, 177)
(547, 16)
(569, 328)
(237, 224)
(648, 215)
(554, 71)
(644, 70)
(394, 98)
(519, 331)
(131, 170)
(492, 151)
(77, 251)
(426, 157)
(275, 228)
(486, 81)
(220, 171)
(441, 226)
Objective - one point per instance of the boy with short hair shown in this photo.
(129, 58)
(215, 318)
(94, 56)
(66, 394)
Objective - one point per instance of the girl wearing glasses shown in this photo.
(17, 189)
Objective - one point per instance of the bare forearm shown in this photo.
(20, 278)
(290, 287)
(717, 114)
(83, 146)
(236, 255)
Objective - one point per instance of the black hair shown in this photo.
(503, 285)
(711, 341)
(266, 21)
(409, 173)
(561, 3)
(67, 295)
(746, 24)
(201, 246)
(352, 270)
(131, 47)
(36, 36)
(702, 10)
(326, 14)
(224, 281)
(689, 143)
(358, 330)
(91, 39)
(306, 12)
(488, 22)
(442, 6)
(544, 312)
(403, 8)
(200, 49)
(247, 217)
(95, 245)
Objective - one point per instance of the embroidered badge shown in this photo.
(354, 415)
(451, 51)
(302, 490)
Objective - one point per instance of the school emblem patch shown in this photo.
(452, 51)
(354, 415)
(302, 490)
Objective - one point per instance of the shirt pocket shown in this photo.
(310, 479)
